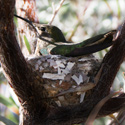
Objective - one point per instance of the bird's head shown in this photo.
(50, 31)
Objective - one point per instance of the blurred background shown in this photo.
(78, 20)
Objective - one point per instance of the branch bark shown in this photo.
(36, 107)
(16, 70)
(28, 12)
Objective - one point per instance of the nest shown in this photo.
(67, 79)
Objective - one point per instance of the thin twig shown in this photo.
(80, 20)
(110, 9)
(56, 11)
(96, 109)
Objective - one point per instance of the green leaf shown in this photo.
(119, 9)
(12, 111)
(27, 44)
(15, 21)
(6, 121)
(7, 102)
(2, 78)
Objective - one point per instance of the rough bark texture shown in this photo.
(36, 108)
(27, 12)
(20, 77)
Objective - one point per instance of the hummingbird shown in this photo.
(53, 35)
(48, 35)
(46, 31)
(89, 46)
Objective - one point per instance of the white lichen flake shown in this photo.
(82, 97)
(77, 80)
(70, 65)
(53, 76)
(60, 64)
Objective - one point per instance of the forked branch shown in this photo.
(30, 92)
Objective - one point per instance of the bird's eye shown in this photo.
(43, 29)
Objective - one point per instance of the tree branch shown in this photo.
(18, 73)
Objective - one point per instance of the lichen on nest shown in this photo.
(65, 77)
